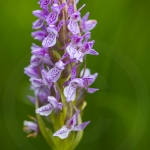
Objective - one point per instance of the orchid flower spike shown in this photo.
(59, 89)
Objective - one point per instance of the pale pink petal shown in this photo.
(45, 110)
(73, 27)
(62, 132)
(70, 93)
(80, 126)
(54, 74)
(50, 40)
(92, 52)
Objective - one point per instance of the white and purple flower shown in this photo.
(54, 68)
(64, 131)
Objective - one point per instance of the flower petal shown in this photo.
(73, 27)
(37, 24)
(39, 35)
(39, 13)
(54, 74)
(71, 9)
(80, 126)
(54, 102)
(50, 40)
(62, 132)
(32, 99)
(92, 90)
(35, 61)
(31, 125)
(70, 93)
(92, 52)
(45, 110)
(87, 72)
(72, 121)
(36, 82)
(85, 17)
(89, 25)
(52, 18)
(71, 49)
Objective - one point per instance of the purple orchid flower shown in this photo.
(31, 127)
(64, 131)
(40, 55)
(32, 71)
(47, 109)
(53, 74)
(88, 80)
(85, 49)
(50, 40)
(70, 90)
(87, 25)
(44, 3)
(74, 18)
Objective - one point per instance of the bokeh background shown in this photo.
(119, 111)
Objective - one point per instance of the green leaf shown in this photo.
(46, 132)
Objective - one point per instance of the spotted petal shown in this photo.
(37, 24)
(92, 52)
(54, 74)
(71, 9)
(45, 110)
(50, 40)
(62, 132)
(52, 18)
(73, 72)
(70, 93)
(73, 27)
(71, 49)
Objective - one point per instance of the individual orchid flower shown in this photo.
(53, 74)
(74, 18)
(87, 25)
(76, 41)
(32, 71)
(70, 90)
(50, 40)
(86, 49)
(47, 109)
(52, 18)
(64, 131)
(39, 13)
(41, 55)
(31, 127)
(88, 79)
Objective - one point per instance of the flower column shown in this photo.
(58, 84)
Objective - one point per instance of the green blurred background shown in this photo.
(119, 111)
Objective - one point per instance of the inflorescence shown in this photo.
(59, 86)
